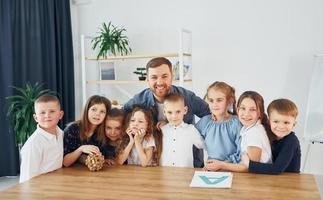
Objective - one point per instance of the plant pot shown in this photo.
(142, 78)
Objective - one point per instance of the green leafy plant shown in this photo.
(111, 39)
(21, 110)
(141, 71)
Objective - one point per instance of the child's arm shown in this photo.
(123, 156)
(254, 153)
(30, 162)
(145, 154)
(70, 158)
(280, 164)
(235, 157)
(200, 126)
(254, 141)
(215, 165)
(197, 138)
(110, 162)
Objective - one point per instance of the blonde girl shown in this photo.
(221, 128)
(140, 143)
(87, 135)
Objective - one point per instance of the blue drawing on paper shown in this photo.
(213, 180)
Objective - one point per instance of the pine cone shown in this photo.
(94, 162)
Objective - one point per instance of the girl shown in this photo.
(254, 139)
(86, 136)
(139, 141)
(113, 131)
(286, 149)
(221, 128)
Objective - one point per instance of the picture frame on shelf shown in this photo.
(107, 71)
(187, 72)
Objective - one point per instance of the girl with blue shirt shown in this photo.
(221, 128)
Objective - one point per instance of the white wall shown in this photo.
(260, 45)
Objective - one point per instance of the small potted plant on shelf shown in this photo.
(141, 71)
(111, 40)
(21, 110)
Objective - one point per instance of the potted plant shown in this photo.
(141, 71)
(111, 39)
(21, 110)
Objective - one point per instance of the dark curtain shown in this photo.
(36, 46)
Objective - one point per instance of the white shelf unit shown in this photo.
(180, 54)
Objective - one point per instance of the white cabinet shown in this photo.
(90, 65)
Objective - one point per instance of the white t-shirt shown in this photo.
(133, 158)
(42, 153)
(177, 145)
(256, 136)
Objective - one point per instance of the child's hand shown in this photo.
(213, 165)
(131, 134)
(140, 135)
(90, 149)
(245, 159)
(110, 162)
(129, 131)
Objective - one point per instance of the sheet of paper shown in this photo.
(212, 179)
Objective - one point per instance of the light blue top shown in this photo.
(222, 139)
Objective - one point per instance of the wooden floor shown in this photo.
(130, 182)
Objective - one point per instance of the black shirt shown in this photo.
(286, 157)
(109, 151)
(72, 139)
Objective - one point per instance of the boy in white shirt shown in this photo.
(178, 137)
(43, 151)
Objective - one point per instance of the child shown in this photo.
(254, 139)
(87, 135)
(221, 128)
(43, 151)
(113, 131)
(286, 149)
(178, 137)
(139, 141)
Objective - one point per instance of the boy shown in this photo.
(178, 137)
(285, 147)
(43, 151)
